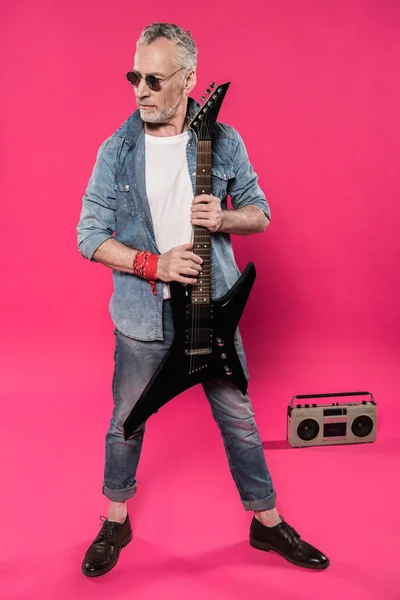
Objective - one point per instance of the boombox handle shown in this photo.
(335, 395)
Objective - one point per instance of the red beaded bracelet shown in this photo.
(145, 266)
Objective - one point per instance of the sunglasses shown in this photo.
(154, 83)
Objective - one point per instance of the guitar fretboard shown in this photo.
(201, 291)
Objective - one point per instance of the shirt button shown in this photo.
(194, 174)
(127, 187)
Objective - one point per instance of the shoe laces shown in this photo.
(291, 529)
(107, 528)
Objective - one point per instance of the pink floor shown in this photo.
(190, 532)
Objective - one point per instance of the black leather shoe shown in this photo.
(102, 555)
(287, 542)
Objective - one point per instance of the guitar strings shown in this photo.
(196, 340)
(195, 308)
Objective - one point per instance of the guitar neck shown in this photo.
(201, 291)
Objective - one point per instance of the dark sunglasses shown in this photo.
(154, 83)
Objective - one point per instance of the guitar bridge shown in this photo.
(198, 351)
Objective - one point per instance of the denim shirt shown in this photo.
(116, 203)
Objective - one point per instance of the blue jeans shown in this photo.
(135, 363)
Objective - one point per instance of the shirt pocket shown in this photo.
(220, 175)
(125, 203)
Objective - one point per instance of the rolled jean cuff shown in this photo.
(119, 495)
(267, 503)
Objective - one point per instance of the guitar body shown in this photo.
(203, 348)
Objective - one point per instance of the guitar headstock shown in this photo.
(204, 120)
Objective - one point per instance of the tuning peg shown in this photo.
(212, 85)
(203, 98)
(208, 91)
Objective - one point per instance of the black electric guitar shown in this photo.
(203, 346)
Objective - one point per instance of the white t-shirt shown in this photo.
(169, 191)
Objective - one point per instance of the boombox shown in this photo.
(323, 424)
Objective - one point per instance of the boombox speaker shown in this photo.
(313, 424)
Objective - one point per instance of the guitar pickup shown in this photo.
(198, 338)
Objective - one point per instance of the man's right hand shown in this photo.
(179, 261)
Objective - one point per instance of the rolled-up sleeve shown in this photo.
(243, 187)
(97, 219)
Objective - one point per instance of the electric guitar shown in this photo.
(203, 346)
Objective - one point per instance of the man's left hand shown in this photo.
(207, 212)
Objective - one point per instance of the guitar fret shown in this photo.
(201, 292)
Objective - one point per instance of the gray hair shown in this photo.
(185, 45)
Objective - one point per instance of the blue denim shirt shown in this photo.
(116, 203)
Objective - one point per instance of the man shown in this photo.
(142, 189)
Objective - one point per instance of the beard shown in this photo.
(162, 115)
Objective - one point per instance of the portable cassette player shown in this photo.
(312, 424)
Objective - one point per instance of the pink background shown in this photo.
(315, 95)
